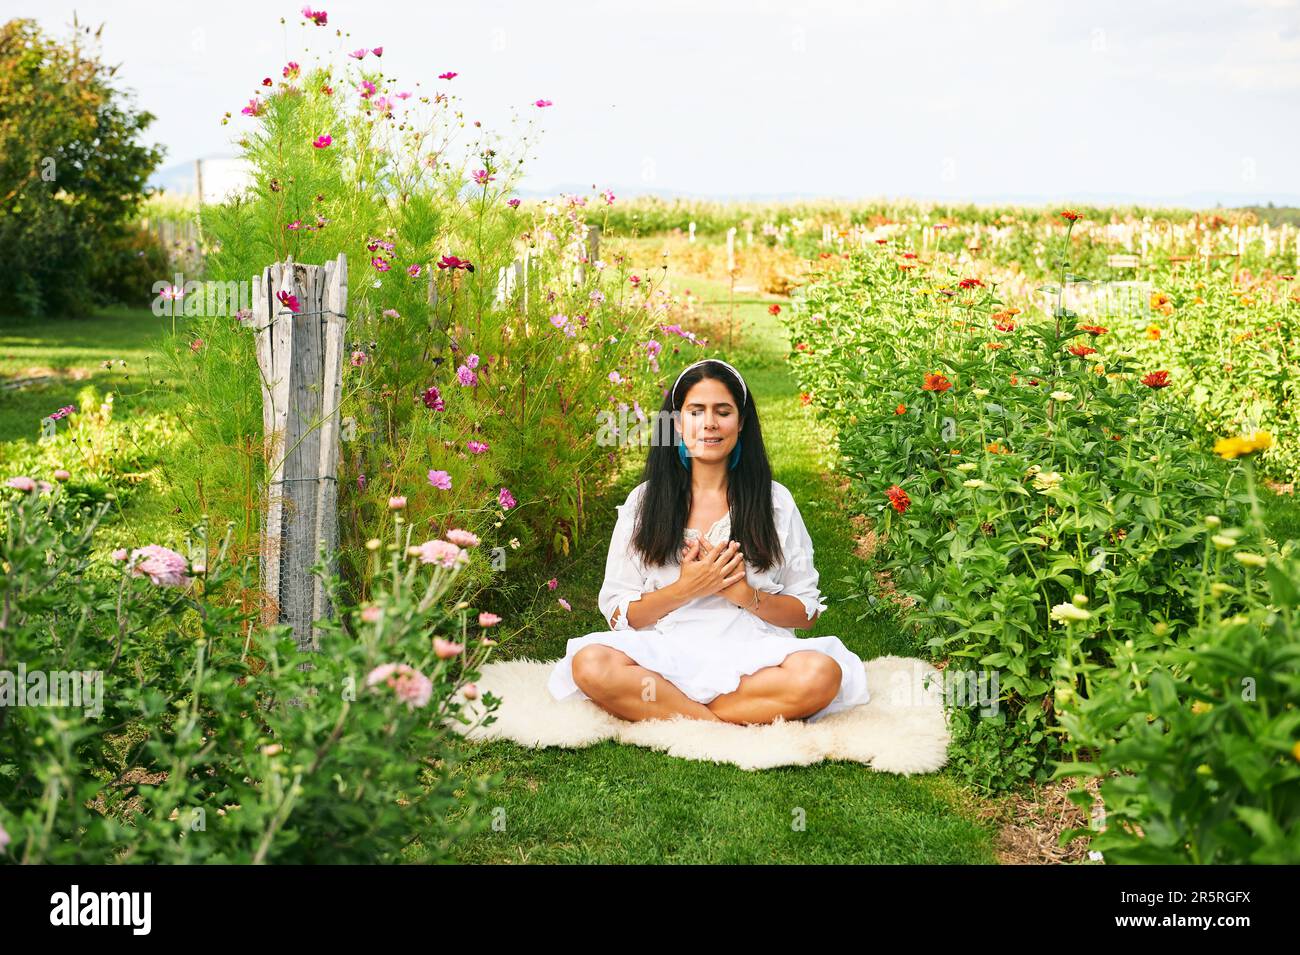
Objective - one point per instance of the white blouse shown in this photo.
(627, 577)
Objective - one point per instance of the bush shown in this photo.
(182, 732)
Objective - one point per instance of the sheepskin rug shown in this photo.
(902, 729)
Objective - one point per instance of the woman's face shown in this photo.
(710, 420)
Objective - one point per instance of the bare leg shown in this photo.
(619, 685)
(805, 682)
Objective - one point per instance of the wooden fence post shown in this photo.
(300, 356)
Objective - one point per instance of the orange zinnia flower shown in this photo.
(995, 448)
(901, 409)
(1071, 215)
(1081, 350)
(1156, 379)
(936, 382)
(898, 498)
(1093, 329)
(995, 345)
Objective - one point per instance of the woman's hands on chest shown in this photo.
(700, 553)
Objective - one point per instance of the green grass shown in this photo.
(72, 351)
(618, 803)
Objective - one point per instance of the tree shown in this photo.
(72, 167)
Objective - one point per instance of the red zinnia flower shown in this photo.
(1071, 215)
(1094, 329)
(774, 309)
(936, 382)
(1156, 379)
(971, 283)
(1081, 350)
(898, 498)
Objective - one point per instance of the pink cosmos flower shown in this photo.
(254, 108)
(443, 553)
(403, 95)
(288, 300)
(359, 54)
(318, 17)
(466, 376)
(553, 583)
(383, 104)
(462, 537)
(366, 89)
(486, 619)
(432, 399)
(323, 142)
(378, 51)
(409, 685)
(542, 102)
(609, 197)
(477, 447)
(472, 361)
(63, 412)
(294, 226)
(454, 262)
(564, 603)
(413, 271)
(446, 649)
(121, 554)
(513, 203)
(440, 479)
(291, 70)
(359, 358)
(396, 503)
(506, 499)
(380, 263)
(392, 313)
(448, 76)
(482, 178)
(615, 377)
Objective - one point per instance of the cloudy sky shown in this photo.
(978, 100)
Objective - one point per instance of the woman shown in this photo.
(706, 630)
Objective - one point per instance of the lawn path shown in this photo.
(612, 803)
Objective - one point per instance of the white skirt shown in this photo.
(706, 658)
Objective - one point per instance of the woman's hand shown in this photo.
(739, 593)
(711, 571)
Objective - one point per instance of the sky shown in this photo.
(989, 100)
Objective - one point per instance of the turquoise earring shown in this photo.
(734, 458)
(681, 454)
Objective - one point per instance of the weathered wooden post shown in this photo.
(300, 318)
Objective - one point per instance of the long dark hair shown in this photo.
(666, 501)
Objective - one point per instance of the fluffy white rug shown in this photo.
(903, 729)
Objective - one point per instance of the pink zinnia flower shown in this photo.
(61, 475)
(323, 142)
(22, 483)
(448, 76)
(506, 499)
(470, 691)
(441, 552)
(396, 503)
(410, 685)
(163, 566)
(446, 649)
(486, 619)
(462, 537)
(440, 479)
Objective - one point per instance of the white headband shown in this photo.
(743, 389)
